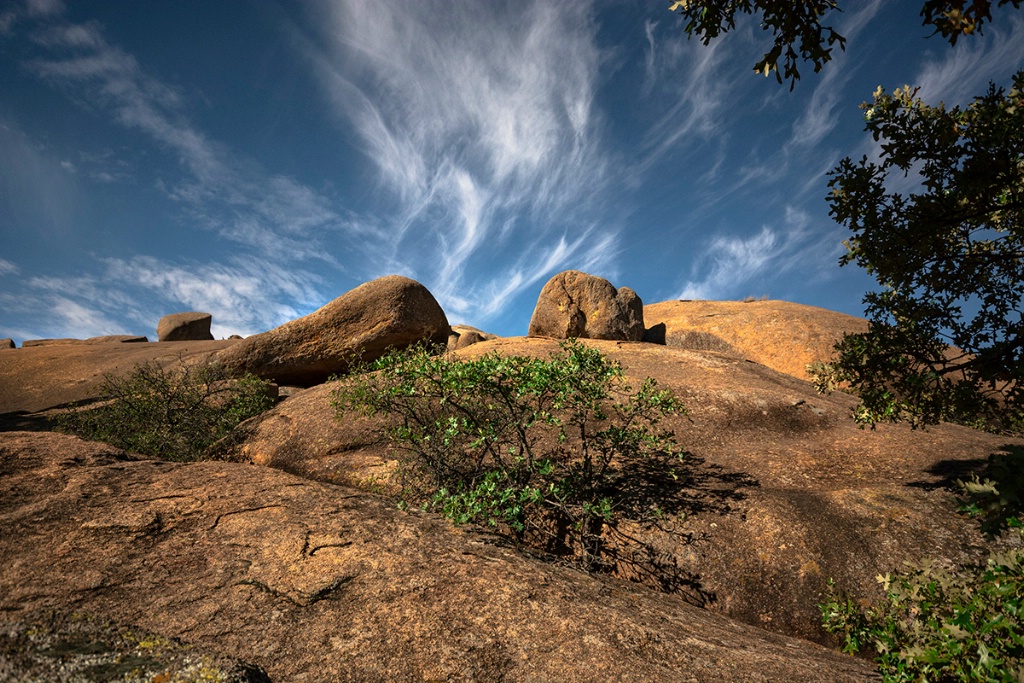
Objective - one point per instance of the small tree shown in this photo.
(528, 445)
(946, 340)
(175, 414)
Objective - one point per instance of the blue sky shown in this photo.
(256, 159)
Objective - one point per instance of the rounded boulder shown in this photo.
(577, 305)
(389, 312)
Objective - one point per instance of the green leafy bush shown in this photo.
(172, 414)
(940, 625)
(996, 498)
(528, 445)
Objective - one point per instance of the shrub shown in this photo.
(172, 414)
(940, 625)
(996, 498)
(531, 446)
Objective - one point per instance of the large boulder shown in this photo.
(7, 343)
(574, 304)
(189, 326)
(389, 312)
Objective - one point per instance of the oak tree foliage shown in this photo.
(801, 31)
(938, 220)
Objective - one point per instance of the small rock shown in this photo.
(464, 335)
(189, 326)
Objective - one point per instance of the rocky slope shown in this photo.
(287, 559)
(782, 490)
(315, 582)
(779, 334)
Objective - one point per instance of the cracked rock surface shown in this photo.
(313, 582)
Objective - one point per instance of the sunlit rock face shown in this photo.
(577, 305)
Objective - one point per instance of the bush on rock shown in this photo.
(175, 414)
(534, 447)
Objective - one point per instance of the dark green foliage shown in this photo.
(996, 497)
(946, 340)
(955, 18)
(940, 625)
(528, 445)
(798, 31)
(172, 414)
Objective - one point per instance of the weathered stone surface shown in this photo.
(317, 582)
(118, 339)
(35, 379)
(7, 343)
(188, 326)
(781, 491)
(780, 334)
(61, 647)
(463, 335)
(389, 312)
(29, 343)
(575, 304)
(106, 339)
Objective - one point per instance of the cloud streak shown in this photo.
(482, 127)
(274, 215)
(729, 265)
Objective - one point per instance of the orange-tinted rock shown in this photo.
(189, 326)
(577, 305)
(782, 335)
(389, 312)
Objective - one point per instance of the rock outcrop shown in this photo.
(7, 343)
(463, 335)
(389, 312)
(781, 490)
(575, 304)
(315, 582)
(189, 326)
(67, 341)
(782, 335)
(37, 378)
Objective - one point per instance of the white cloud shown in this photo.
(480, 120)
(818, 118)
(693, 77)
(7, 268)
(243, 298)
(957, 77)
(272, 214)
(81, 322)
(734, 266)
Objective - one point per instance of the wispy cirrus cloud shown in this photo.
(272, 214)
(481, 123)
(244, 296)
(818, 118)
(953, 79)
(7, 268)
(691, 76)
(730, 266)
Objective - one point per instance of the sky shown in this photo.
(256, 159)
